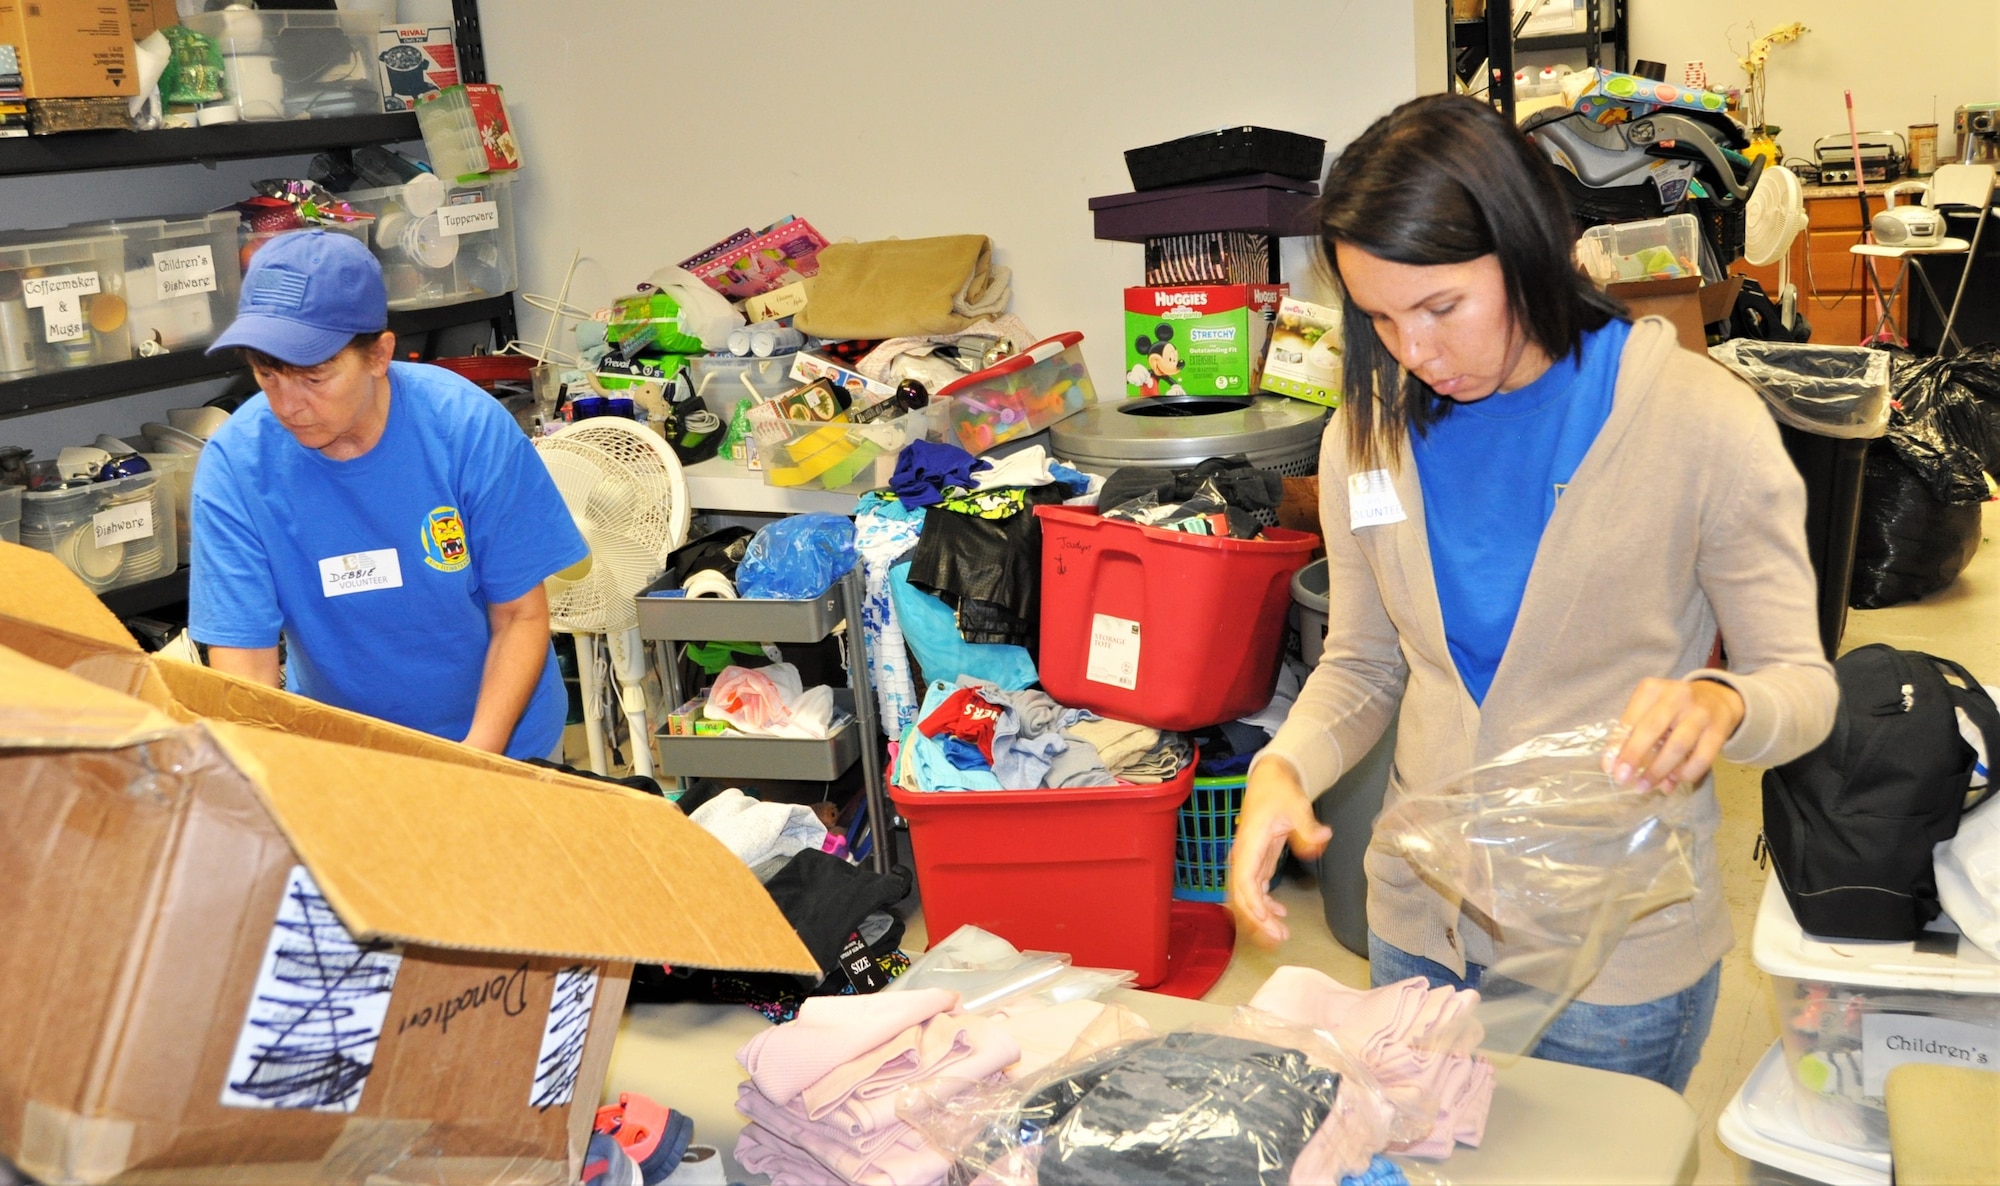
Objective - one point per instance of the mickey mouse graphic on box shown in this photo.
(415, 60)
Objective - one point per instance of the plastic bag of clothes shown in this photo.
(1925, 481)
(797, 558)
(1541, 847)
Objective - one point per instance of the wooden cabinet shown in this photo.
(1834, 294)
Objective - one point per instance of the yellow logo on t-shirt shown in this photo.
(444, 540)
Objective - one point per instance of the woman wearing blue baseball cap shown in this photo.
(387, 520)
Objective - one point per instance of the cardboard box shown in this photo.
(413, 61)
(1197, 339)
(1304, 357)
(149, 16)
(252, 939)
(1685, 301)
(71, 49)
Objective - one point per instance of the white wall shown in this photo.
(1897, 56)
(652, 128)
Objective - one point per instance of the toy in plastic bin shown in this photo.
(1018, 396)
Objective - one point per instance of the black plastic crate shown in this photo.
(1226, 152)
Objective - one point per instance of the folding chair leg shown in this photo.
(1948, 344)
(1971, 254)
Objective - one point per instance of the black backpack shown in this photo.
(1850, 826)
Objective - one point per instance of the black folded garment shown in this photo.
(1247, 489)
(988, 570)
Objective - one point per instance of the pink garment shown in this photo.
(895, 1156)
(830, 1032)
(947, 1050)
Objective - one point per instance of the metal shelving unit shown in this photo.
(78, 152)
(837, 611)
(1491, 40)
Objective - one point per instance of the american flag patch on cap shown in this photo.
(277, 288)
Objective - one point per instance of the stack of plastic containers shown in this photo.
(181, 278)
(110, 534)
(441, 245)
(292, 65)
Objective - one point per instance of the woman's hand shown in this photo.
(1275, 810)
(1677, 728)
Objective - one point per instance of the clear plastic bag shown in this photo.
(988, 973)
(1833, 391)
(797, 558)
(1550, 856)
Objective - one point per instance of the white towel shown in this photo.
(757, 831)
(1028, 467)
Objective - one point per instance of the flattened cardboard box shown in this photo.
(340, 953)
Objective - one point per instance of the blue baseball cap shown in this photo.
(305, 296)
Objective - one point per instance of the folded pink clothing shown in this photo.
(895, 1156)
(832, 1031)
(958, 1046)
(761, 1152)
(858, 1116)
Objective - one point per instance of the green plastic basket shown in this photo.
(1202, 837)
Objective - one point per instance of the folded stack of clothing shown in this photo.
(977, 736)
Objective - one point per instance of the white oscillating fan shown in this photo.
(625, 489)
(1775, 216)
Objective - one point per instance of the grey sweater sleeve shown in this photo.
(1754, 568)
(1351, 695)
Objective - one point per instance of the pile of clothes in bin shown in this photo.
(1222, 496)
(977, 736)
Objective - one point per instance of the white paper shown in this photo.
(471, 217)
(37, 291)
(360, 572)
(185, 272)
(1372, 501)
(116, 525)
(62, 318)
(308, 1039)
(562, 1038)
(1114, 652)
(1891, 1039)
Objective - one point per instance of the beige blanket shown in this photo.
(896, 288)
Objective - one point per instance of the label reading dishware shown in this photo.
(116, 525)
(1890, 1039)
(360, 572)
(1114, 652)
(185, 272)
(1372, 501)
(469, 218)
(562, 1038)
(308, 1038)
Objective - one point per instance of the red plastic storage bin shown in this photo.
(1084, 871)
(1163, 628)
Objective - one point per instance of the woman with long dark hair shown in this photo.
(1538, 514)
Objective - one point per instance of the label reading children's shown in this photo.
(185, 272)
(1114, 652)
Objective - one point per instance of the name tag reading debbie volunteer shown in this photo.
(360, 572)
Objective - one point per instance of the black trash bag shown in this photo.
(1939, 426)
(1910, 543)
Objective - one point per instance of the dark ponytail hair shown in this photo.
(1444, 179)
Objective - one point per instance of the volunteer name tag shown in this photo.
(360, 572)
(1372, 501)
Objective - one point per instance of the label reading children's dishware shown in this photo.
(1890, 1039)
(1372, 501)
(562, 1038)
(1114, 652)
(116, 525)
(360, 572)
(469, 218)
(309, 1036)
(185, 272)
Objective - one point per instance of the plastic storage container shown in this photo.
(466, 131)
(1764, 1123)
(1309, 610)
(1167, 629)
(1851, 1010)
(182, 276)
(1655, 249)
(459, 251)
(10, 514)
(1021, 863)
(1225, 152)
(720, 380)
(1203, 834)
(293, 65)
(62, 301)
(110, 534)
(177, 470)
(250, 241)
(1019, 396)
(813, 455)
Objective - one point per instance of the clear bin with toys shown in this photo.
(1656, 249)
(1015, 397)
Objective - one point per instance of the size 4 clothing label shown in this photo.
(117, 525)
(185, 272)
(1372, 501)
(360, 572)
(1114, 652)
(1889, 1040)
(471, 217)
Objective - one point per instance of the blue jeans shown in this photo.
(1658, 1040)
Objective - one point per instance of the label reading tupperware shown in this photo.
(469, 218)
(309, 1036)
(116, 525)
(1114, 652)
(37, 291)
(184, 272)
(1889, 1040)
(562, 1038)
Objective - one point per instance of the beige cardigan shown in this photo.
(1685, 513)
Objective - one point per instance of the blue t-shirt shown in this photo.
(1491, 473)
(378, 571)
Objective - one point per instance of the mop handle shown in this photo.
(1860, 182)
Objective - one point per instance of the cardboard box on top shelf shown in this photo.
(1685, 301)
(254, 939)
(151, 15)
(72, 49)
